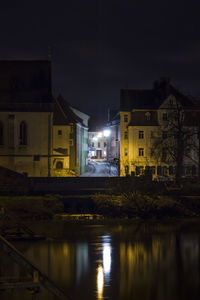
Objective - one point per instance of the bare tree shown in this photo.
(175, 139)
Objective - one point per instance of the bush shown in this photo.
(37, 207)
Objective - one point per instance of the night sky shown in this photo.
(101, 46)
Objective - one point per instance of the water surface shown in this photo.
(138, 261)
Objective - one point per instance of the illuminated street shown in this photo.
(100, 169)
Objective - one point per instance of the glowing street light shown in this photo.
(106, 132)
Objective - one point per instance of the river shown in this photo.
(143, 261)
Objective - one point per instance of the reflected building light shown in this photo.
(82, 260)
(106, 257)
(100, 282)
(66, 249)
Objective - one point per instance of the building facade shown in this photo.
(40, 135)
(153, 126)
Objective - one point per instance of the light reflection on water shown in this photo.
(118, 265)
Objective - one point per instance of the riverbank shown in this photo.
(128, 206)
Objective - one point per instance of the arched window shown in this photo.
(59, 165)
(23, 133)
(1, 133)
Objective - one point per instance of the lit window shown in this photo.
(1, 133)
(125, 135)
(125, 118)
(126, 151)
(164, 116)
(141, 134)
(23, 133)
(141, 151)
(59, 132)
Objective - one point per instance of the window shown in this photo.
(139, 170)
(164, 116)
(126, 151)
(125, 135)
(141, 134)
(125, 118)
(159, 170)
(93, 144)
(153, 170)
(151, 152)
(105, 144)
(59, 165)
(148, 116)
(164, 135)
(1, 133)
(164, 154)
(141, 151)
(23, 133)
(36, 158)
(59, 132)
(99, 144)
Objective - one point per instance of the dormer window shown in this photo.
(148, 116)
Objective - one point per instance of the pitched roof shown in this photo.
(63, 114)
(25, 85)
(151, 99)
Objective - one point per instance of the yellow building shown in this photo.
(40, 135)
(26, 116)
(144, 123)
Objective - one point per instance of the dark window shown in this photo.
(125, 135)
(159, 170)
(141, 151)
(164, 154)
(105, 144)
(59, 165)
(139, 170)
(141, 134)
(125, 118)
(36, 158)
(164, 116)
(99, 144)
(171, 170)
(1, 133)
(127, 170)
(23, 133)
(164, 135)
(126, 151)
(153, 170)
(93, 144)
(59, 132)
